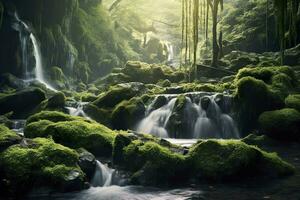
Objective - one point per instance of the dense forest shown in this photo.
(144, 100)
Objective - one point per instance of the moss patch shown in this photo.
(281, 124)
(41, 163)
(233, 159)
(293, 101)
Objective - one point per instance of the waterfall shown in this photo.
(77, 110)
(103, 175)
(18, 126)
(202, 115)
(156, 122)
(25, 34)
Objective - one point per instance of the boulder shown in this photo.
(87, 162)
(54, 165)
(281, 124)
(8, 138)
(22, 103)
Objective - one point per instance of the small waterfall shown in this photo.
(103, 175)
(18, 126)
(202, 115)
(170, 48)
(156, 122)
(25, 35)
(77, 110)
(23, 30)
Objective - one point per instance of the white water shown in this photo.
(157, 120)
(25, 34)
(18, 126)
(78, 110)
(204, 124)
(103, 175)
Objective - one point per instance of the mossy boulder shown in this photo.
(153, 164)
(293, 101)
(127, 114)
(253, 97)
(73, 132)
(40, 163)
(8, 138)
(281, 124)
(233, 159)
(58, 100)
(22, 103)
(118, 93)
(52, 116)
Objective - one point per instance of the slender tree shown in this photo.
(182, 30)
(195, 33)
(214, 6)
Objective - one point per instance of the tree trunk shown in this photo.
(215, 56)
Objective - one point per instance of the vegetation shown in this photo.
(86, 84)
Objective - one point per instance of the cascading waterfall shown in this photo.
(156, 121)
(203, 116)
(77, 110)
(25, 35)
(103, 175)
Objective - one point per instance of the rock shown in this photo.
(120, 142)
(11, 81)
(54, 166)
(119, 93)
(293, 101)
(58, 100)
(127, 114)
(223, 160)
(87, 162)
(281, 124)
(205, 102)
(22, 102)
(8, 138)
(74, 133)
(160, 101)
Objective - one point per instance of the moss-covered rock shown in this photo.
(58, 79)
(127, 114)
(73, 132)
(154, 164)
(293, 101)
(221, 160)
(253, 97)
(58, 100)
(40, 162)
(281, 124)
(8, 138)
(52, 116)
(118, 93)
(21, 103)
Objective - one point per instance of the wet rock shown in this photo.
(87, 162)
(22, 102)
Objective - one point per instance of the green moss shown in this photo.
(266, 73)
(22, 103)
(253, 97)
(94, 137)
(127, 113)
(58, 100)
(233, 159)
(116, 94)
(52, 116)
(7, 137)
(41, 163)
(101, 115)
(37, 128)
(281, 124)
(151, 163)
(293, 101)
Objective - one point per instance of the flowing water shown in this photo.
(76, 109)
(103, 175)
(213, 121)
(18, 126)
(25, 35)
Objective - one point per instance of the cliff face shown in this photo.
(75, 35)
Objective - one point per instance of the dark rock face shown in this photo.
(21, 103)
(87, 162)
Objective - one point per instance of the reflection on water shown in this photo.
(123, 193)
